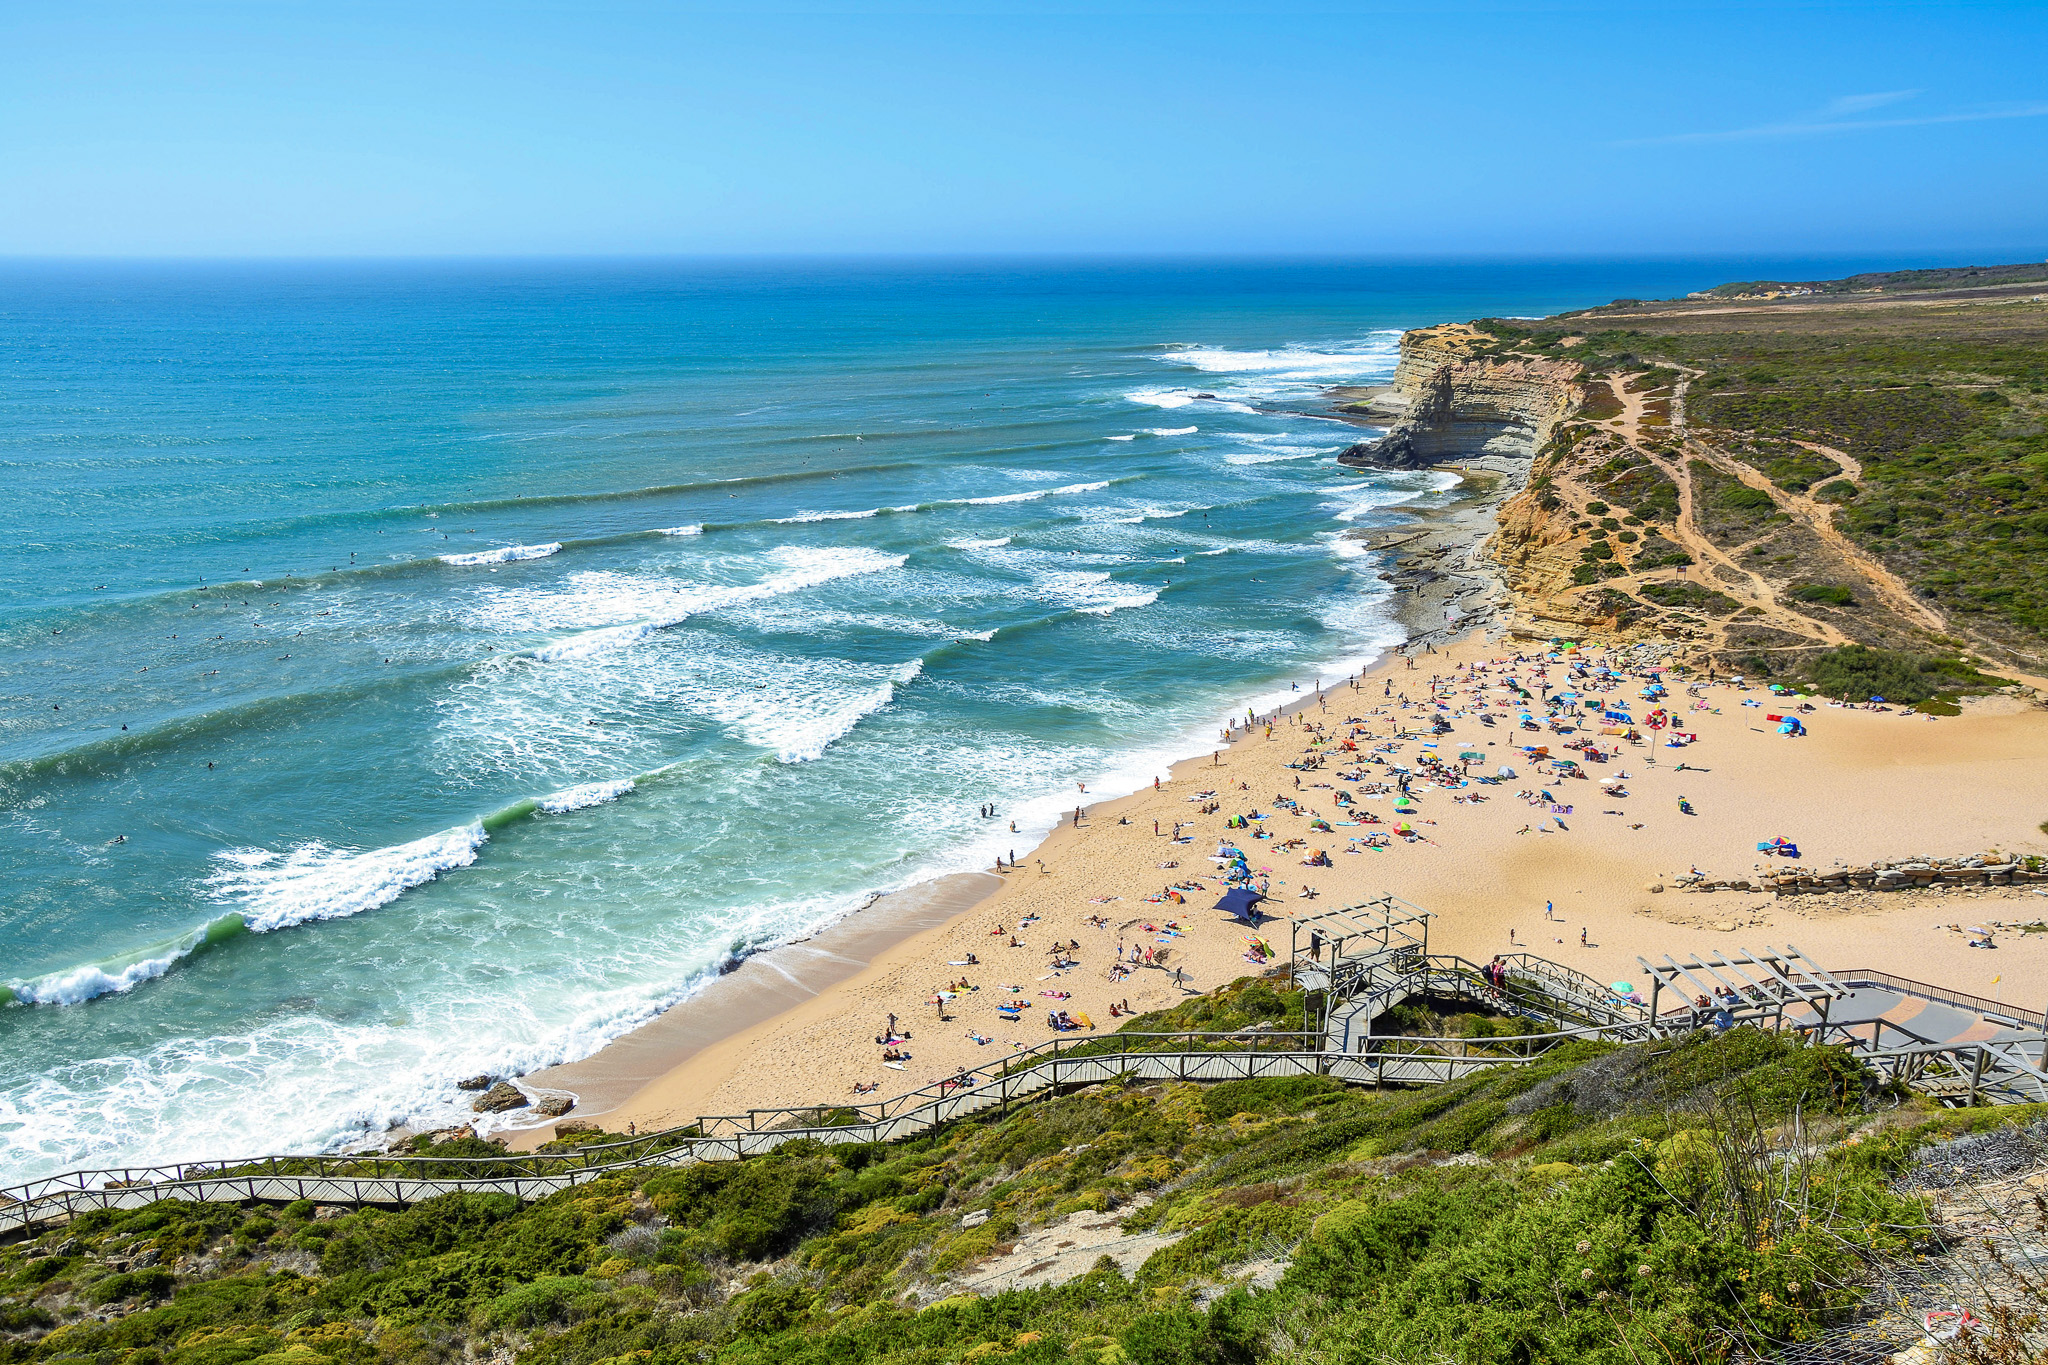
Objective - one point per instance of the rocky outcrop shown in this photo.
(1459, 402)
(500, 1097)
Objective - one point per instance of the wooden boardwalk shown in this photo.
(1956, 1047)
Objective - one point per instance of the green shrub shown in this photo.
(550, 1299)
(1689, 597)
(1857, 673)
(1834, 594)
(138, 1284)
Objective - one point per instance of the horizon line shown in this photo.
(2008, 256)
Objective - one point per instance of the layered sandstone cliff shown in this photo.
(1456, 402)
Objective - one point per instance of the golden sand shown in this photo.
(1863, 785)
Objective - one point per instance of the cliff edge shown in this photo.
(1455, 398)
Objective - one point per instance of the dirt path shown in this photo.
(1746, 585)
(1819, 518)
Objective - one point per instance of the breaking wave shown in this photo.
(504, 555)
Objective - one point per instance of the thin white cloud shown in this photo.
(1863, 104)
(1824, 124)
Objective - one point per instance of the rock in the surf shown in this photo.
(474, 1083)
(500, 1097)
(554, 1106)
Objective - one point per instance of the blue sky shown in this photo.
(1437, 128)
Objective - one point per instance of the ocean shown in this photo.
(415, 670)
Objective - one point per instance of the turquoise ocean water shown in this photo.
(409, 671)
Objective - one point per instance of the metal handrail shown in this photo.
(1942, 996)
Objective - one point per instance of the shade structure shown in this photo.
(1241, 903)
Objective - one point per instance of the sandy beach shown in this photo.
(1863, 785)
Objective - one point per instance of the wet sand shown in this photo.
(758, 989)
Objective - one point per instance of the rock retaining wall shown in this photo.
(1903, 875)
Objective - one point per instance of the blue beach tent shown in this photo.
(1241, 903)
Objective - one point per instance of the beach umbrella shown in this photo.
(1471, 756)
(1622, 987)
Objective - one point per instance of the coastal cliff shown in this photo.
(1454, 398)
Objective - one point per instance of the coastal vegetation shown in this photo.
(1824, 421)
(1680, 1200)
(1858, 673)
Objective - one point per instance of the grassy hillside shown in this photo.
(1940, 406)
(1600, 1206)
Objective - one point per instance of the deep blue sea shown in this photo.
(416, 670)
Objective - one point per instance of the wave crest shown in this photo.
(505, 554)
(316, 881)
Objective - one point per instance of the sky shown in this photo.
(1436, 128)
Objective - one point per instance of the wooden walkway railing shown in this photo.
(1992, 1072)
(1248, 1054)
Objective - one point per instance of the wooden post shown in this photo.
(1976, 1075)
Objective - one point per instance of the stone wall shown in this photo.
(1901, 875)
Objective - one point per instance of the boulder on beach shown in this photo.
(554, 1106)
(500, 1097)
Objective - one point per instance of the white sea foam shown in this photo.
(800, 730)
(807, 567)
(1162, 398)
(693, 529)
(979, 544)
(1031, 496)
(1171, 431)
(1132, 437)
(79, 984)
(1297, 362)
(1128, 600)
(1278, 454)
(833, 516)
(505, 554)
(602, 641)
(318, 882)
(584, 794)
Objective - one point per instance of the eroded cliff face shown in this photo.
(1457, 403)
